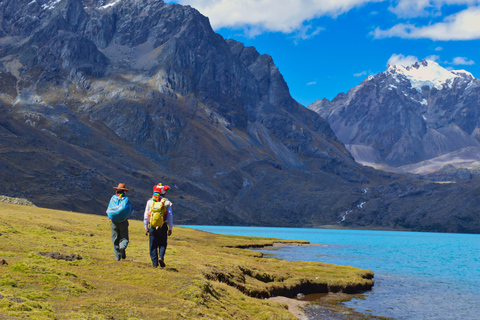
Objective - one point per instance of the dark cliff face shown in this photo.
(150, 89)
(395, 122)
(97, 92)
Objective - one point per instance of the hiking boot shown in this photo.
(162, 263)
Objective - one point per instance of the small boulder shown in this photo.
(58, 256)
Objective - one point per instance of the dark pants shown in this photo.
(119, 238)
(158, 243)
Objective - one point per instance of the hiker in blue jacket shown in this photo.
(118, 211)
(158, 234)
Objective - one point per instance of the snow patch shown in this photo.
(50, 5)
(49, 132)
(30, 122)
(464, 74)
(471, 85)
(110, 4)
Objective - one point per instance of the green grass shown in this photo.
(207, 276)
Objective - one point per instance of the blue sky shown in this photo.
(324, 47)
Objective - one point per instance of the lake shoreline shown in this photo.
(328, 306)
(295, 306)
(304, 308)
(418, 275)
(280, 244)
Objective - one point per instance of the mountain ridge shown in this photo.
(143, 92)
(406, 115)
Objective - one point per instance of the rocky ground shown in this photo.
(12, 200)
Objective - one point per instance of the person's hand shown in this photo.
(146, 231)
(169, 232)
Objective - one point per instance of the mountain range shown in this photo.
(417, 118)
(95, 92)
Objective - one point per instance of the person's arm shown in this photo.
(169, 220)
(108, 206)
(145, 216)
(130, 203)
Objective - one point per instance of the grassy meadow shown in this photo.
(207, 276)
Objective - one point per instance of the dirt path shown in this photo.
(293, 306)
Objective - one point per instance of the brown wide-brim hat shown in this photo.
(121, 186)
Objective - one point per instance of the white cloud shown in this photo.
(411, 8)
(462, 61)
(363, 73)
(285, 16)
(422, 8)
(433, 57)
(252, 31)
(295, 16)
(312, 83)
(464, 25)
(400, 59)
(305, 32)
(438, 48)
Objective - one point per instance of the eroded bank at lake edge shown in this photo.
(314, 306)
(208, 276)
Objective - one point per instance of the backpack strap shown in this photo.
(152, 202)
(162, 201)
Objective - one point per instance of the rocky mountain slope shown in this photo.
(94, 93)
(406, 115)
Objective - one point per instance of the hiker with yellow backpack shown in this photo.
(158, 223)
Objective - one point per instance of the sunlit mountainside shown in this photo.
(94, 93)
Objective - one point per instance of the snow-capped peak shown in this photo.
(50, 5)
(427, 73)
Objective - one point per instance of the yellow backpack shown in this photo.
(157, 213)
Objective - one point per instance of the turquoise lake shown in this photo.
(417, 275)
